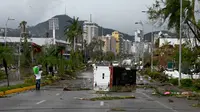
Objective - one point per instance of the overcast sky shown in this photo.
(116, 14)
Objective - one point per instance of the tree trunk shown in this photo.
(46, 66)
(196, 36)
(6, 71)
(74, 44)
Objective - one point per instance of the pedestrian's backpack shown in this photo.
(35, 69)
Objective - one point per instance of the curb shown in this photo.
(17, 90)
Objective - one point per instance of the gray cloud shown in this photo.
(117, 14)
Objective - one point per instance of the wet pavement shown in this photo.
(53, 98)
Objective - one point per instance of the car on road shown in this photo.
(115, 63)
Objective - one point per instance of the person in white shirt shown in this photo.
(38, 78)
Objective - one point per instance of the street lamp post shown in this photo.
(180, 46)
(9, 19)
(152, 44)
(142, 41)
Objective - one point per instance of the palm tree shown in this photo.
(73, 32)
(6, 55)
(26, 49)
(22, 25)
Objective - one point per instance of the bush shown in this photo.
(174, 81)
(186, 82)
(55, 78)
(163, 78)
(30, 80)
(2, 75)
(196, 84)
(154, 75)
(47, 81)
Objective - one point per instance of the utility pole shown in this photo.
(180, 44)
(152, 48)
(9, 19)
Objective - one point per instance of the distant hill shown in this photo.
(41, 29)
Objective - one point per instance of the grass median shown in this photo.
(28, 84)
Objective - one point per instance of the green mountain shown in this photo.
(41, 29)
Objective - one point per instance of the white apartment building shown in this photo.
(127, 46)
(90, 31)
(138, 35)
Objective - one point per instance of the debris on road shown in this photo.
(170, 100)
(66, 89)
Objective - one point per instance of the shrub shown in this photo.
(174, 81)
(196, 84)
(163, 78)
(2, 75)
(55, 78)
(154, 75)
(30, 80)
(47, 81)
(186, 82)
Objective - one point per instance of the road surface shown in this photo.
(54, 99)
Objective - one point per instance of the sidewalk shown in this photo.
(4, 82)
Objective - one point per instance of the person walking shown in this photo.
(37, 72)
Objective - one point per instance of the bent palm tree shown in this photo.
(73, 31)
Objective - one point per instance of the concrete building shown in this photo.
(121, 45)
(36, 40)
(127, 47)
(109, 43)
(138, 35)
(116, 35)
(90, 31)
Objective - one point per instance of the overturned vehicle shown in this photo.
(107, 76)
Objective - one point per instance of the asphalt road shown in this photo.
(54, 99)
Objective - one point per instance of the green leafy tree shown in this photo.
(6, 56)
(109, 56)
(169, 11)
(52, 56)
(73, 32)
(95, 49)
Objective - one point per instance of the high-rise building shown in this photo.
(121, 45)
(127, 46)
(138, 35)
(116, 35)
(109, 44)
(90, 31)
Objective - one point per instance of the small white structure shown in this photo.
(101, 77)
(175, 74)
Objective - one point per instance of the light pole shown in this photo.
(9, 19)
(180, 46)
(142, 41)
(152, 44)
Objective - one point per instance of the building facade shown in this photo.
(121, 45)
(127, 47)
(90, 31)
(116, 35)
(138, 35)
(109, 43)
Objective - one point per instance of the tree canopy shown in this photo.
(74, 31)
(169, 11)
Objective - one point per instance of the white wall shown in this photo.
(175, 41)
(39, 41)
(102, 83)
